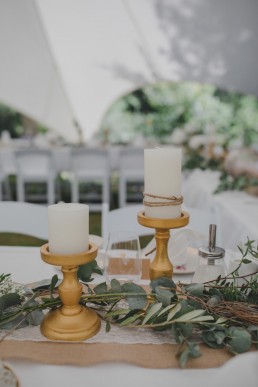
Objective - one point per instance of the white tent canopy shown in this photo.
(29, 80)
(68, 60)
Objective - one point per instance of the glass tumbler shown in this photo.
(122, 257)
(209, 269)
(211, 262)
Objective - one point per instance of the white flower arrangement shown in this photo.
(8, 286)
(178, 136)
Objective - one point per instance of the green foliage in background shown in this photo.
(199, 114)
(10, 120)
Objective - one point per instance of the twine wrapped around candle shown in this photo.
(170, 200)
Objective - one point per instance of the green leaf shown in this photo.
(220, 336)
(203, 319)
(54, 281)
(117, 312)
(195, 290)
(163, 281)
(116, 286)
(95, 267)
(216, 292)
(90, 291)
(164, 295)
(184, 357)
(214, 300)
(8, 300)
(137, 301)
(194, 304)
(221, 320)
(108, 326)
(152, 311)
(41, 285)
(240, 341)
(214, 338)
(184, 329)
(36, 316)
(101, 288)
(4, 277)
(165, 310)
(246, 261)
(17, 323)
(85, 271)
(253, 330)
(173, 312)
(190, 316)
(130, 319)
(194, 350)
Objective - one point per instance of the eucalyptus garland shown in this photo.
(219, 313)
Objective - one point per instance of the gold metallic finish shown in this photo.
(161, 265)
(71, 321)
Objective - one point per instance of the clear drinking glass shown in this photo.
(122, 257)
(209, 269)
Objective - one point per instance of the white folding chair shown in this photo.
(35, 166)
(131, 170)
(5, 188)
(90, 166)
(24, 218)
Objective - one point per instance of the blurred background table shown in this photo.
(237, 210)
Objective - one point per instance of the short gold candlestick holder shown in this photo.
(72, 321)
(161, 265)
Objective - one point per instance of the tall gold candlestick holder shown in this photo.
(161, 265)
(72, 321)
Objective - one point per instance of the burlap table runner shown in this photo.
(87, 353)
(83, 354)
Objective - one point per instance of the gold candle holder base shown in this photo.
(72, 321)
(161, 266)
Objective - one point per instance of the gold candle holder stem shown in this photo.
(70, 290)
(161, 265)
(72, 321)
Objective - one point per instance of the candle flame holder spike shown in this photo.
(161, 265)
(72, 321)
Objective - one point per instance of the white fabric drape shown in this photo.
(71, 59)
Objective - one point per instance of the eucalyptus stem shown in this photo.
(13, 329)
(227, 277)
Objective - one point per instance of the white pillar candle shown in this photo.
(68, 228)
(162, 177)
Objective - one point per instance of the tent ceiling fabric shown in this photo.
(71, 59)
(29, 81)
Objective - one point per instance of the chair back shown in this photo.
(24, 218)
(123, 219)
(34, 163)
(131, 162)
(131, 171)
(89, 162)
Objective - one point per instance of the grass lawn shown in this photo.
(8, 239)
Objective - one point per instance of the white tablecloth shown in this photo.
(26, 265)
(237, 211)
